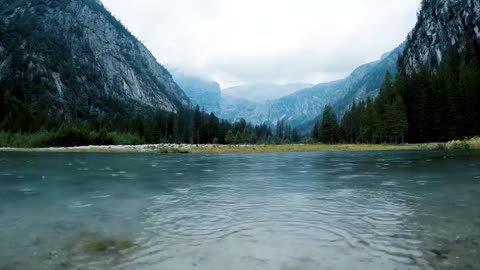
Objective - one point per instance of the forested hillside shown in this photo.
(68, 61)
(435, 95)
(421, 106)
(71, 74)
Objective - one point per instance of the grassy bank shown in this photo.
(461, 145)
(66, 140)
(215, 149)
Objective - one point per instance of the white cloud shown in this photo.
(246, 41)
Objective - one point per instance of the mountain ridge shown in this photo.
(304, 106)
(264, 92)
(83, 59)
(442, 25)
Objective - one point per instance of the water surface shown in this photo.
(376, 210)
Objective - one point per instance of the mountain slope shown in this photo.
(72, 58)
(234, 109)
(207, 94)
(304, 106)
(442, 25)
(260, 93)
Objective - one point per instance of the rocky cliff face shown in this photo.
(82, 58)
(442, 25)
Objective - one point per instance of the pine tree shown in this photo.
(197, 125)
(329, 129)
(213, 128)
(230, 138)
(370, 120)
(2, 104)
(469, 82)
(400, 122)
(316, 132)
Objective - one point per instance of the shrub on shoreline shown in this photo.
(67, 137)
(458, 145)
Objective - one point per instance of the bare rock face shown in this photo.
(442, 25)
(83, 55)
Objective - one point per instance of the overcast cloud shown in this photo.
(249, 41)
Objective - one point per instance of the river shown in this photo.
(345, 210)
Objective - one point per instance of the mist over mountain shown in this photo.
(263, 92)
(303, 106)
(306, 105)
(206, 94)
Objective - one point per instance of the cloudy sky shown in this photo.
(249, 41)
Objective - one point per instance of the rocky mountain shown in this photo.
(263, 92)
(442, 25)
(234, 109)
(73, 58)
(300, 108)
(207, 94)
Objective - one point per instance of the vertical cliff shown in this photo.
(75, 58)
(442, 25)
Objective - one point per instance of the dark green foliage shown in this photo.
(80, 113)
(38, 56)
(284, 133)
(425, 106)
(352, 125)
(443, 105)
(397, 118)
(145, 126)
(327, 130)
(67, 136)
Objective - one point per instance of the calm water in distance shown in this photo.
(349, 210)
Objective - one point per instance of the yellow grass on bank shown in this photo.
(459, 145)
(470, 144)
(216, 149)
(297, 148)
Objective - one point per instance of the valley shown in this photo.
(232, 135)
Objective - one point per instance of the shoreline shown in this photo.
(217, 149)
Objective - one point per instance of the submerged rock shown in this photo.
(461, 253)
(95, 243)
(441, 254)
